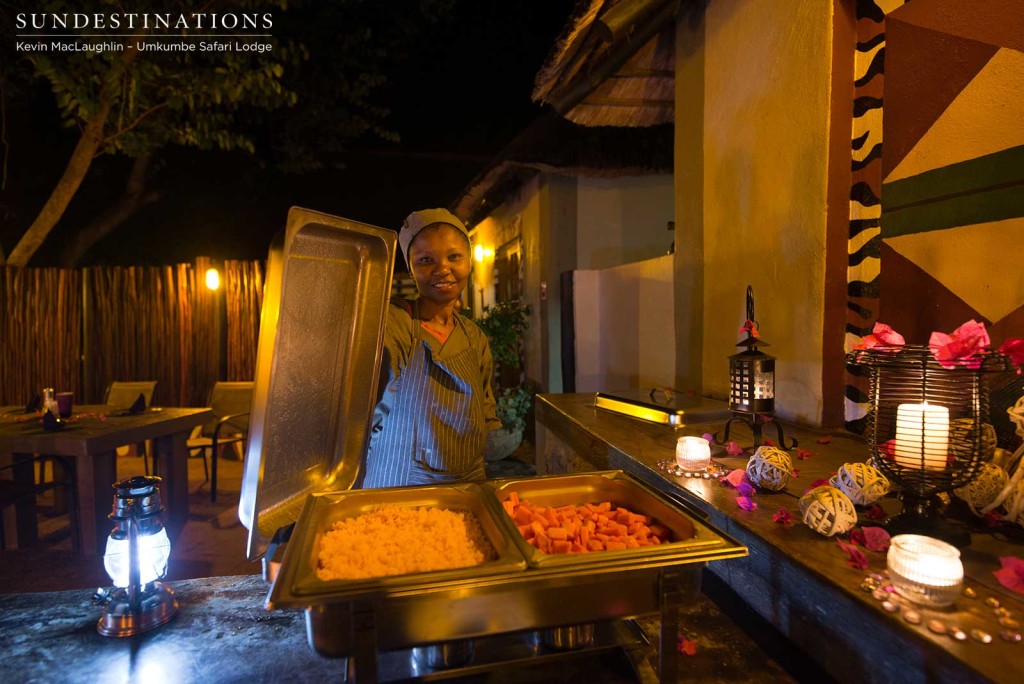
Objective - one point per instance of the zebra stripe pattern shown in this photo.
(865, 236)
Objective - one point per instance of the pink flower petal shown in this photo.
(734, 449)
(867, 342)
(875, 512)
(820, 483)
(1011, 575)
(825, 440)
(961, 347)
(857, 537)
(1014, 348)
(687, 646)
(857, 558)
(745, 489)
(876, 539)
(736, 477)
(768, 442)
(746, 503)
(783, 517)
(796, 473)
(804, 454)
(765, 418)
(708, 436)
(887, 336)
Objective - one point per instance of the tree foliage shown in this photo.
(298, 104)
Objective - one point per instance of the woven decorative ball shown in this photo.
(962, 435)
(828, 511)
(1016, 413)
(862, 483)
(770, 468)
(983, 489)
(1014, 504)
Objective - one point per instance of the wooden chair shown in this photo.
(123, 395)
(15, 492)
(230, 403)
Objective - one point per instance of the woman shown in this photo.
(436, 406)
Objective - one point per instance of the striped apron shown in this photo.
(436, 431)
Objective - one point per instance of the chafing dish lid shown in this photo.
(321, 337)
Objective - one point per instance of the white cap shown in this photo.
(418, 220)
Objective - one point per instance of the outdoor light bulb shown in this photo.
(212, 279)
(478, 253)
(693, 453)
(154, 552)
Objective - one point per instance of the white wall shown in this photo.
(760, 79)
(622, 220)
(625, 333)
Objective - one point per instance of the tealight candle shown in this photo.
(693, 453)
(922, 436)
(925, 570)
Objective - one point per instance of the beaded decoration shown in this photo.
(770, 468)
(983, 489)
(862, 483)
(828, 511)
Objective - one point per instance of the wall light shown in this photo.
(478, 253)
(212, 279)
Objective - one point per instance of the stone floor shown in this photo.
(212, 543)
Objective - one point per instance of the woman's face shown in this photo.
(440, 263)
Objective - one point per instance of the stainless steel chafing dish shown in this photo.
(316, 383)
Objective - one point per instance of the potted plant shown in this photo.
(504, 325)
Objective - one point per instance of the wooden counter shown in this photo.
(795, 578)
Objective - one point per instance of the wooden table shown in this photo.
(796, 579)
(90, 438)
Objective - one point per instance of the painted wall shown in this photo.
(624, 219)
(625, 333)
(953, 168)
(764, 97)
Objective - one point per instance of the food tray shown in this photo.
(499, 597)
(320, 348)
(691, 538)
(299, 579)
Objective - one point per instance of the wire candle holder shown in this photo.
(927, 428)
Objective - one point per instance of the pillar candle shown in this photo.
(922, 431)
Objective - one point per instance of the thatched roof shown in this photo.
(555, 145)
(613, 65)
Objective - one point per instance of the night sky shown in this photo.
(462, 95)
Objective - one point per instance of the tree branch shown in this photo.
(134, 198)
(135, 123)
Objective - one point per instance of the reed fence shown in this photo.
(79, 330)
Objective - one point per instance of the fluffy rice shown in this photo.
(392, 540)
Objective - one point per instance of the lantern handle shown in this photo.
(750, 304)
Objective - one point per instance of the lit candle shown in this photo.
(693, 453)
(925, 570)
(922, 436)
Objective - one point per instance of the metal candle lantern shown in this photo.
(752, 383)
(136, 556)
(927, 428)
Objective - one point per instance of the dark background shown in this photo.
(460, 96)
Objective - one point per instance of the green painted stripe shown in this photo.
(962, 210)
(989, 188)
(999, 168)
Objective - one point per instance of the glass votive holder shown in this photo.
(925, 570)
(693, 453)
